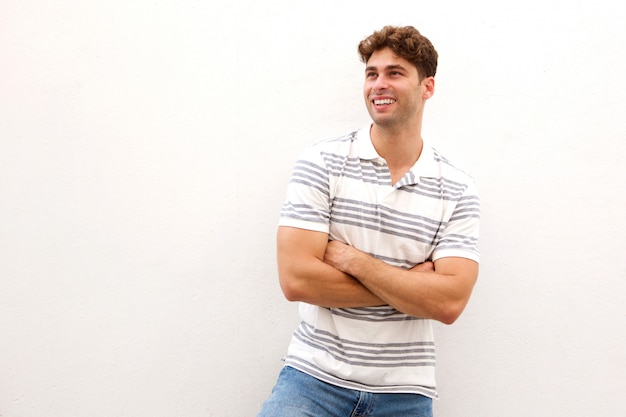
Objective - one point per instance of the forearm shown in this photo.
(320, 284)
(419, 294)
(305, 277)
(440, 293)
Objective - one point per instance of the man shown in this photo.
(377, 238)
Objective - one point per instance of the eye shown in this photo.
(370, 75)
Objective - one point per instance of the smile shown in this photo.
(385, 101)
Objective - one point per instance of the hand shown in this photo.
(338, 255)
(427, 266)
(342, 256)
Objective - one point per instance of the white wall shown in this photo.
(144, 151)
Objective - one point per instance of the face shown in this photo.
(394, 94)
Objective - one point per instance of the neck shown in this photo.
(401, 148)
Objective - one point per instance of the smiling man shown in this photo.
(377, 238)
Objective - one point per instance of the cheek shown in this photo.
(366, 97)
(368, 86)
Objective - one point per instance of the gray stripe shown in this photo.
(400, 224)
(303, 212)
(344, 342)
(365, 351)
(388, 315)
(308, 172)
(462, 239)
(403, 224)
(378, 361)
(382, 230)
(321, 189)
(459, 216)
(388, 212)
(355, 168)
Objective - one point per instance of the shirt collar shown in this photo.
(426, 165)
(366, 147)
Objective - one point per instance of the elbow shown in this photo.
(290, 293)
(450, 313)
(448, 318)
(446, 313)
(292, 290)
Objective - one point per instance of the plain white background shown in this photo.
(145, 147)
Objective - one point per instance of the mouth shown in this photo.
(383, 102)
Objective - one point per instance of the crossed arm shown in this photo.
(333, 274)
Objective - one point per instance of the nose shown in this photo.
(380, 84)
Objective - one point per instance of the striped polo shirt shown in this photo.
(343, 187)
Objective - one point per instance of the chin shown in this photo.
(383, 121)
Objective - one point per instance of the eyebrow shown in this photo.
(388, 67)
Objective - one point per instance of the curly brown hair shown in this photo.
(406, 42)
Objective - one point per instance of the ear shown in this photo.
(429, 87)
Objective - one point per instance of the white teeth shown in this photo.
(385, 101)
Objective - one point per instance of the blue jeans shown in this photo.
(297, 394)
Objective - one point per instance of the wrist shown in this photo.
(355, 262)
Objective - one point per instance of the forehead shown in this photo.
(385, 57)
